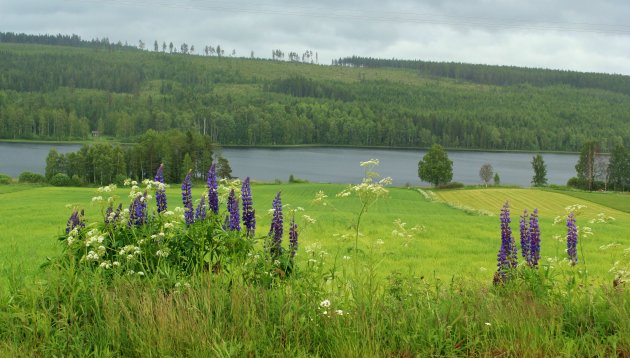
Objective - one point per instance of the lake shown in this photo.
(341, 165)
(16, 158)
(334, 165)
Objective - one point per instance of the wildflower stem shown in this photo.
(356, 238)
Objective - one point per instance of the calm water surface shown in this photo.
(341, 165)
(16, 158)
(334, 165)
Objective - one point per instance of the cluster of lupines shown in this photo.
(160, 193)
(507, 256)
(75, 221)
(572, 238)
(530, 238)
(276, 230)
(153, 248)
(213, 194)
(249, 214)
(189, 214)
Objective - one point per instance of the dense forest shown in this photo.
(55, 92)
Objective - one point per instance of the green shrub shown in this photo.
(451, 185)
(77, 181)
(5, 179)
(577, 183)
(293, 179)
(29, 177)
(119, 179)
(61, 179)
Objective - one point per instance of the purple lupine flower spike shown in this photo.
(138, 210)
(160, 193)
(108, 214)
(507, 253)
(524, 231)
(276, 230)
(213, 194)
(572, 238)
(73, 221)
(200, 213)
(249, 214)
(293, 237)
(117, 214)
(235, 220)
(189, 214)
(81, 216)
(534, 240)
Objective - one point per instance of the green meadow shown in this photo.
(454, 239)
(428, 292)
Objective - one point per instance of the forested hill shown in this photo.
(58, 92)
(498, 75)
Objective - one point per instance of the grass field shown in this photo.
(454, 241)
(430, 295)
(614, 200)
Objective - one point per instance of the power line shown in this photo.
(383, 16)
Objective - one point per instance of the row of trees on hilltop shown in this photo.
(497, 75)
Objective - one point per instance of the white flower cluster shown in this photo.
(157, 236)
(108, 264)
(129, 182)
(130, 251)
(153, 185)
(308, 219)
(325, 305)
(107, 189)
(320, 198)
(601, 218)
(163, 252)
(92, 256)
(93, 239)
(71, 239)
(407, 235)
(132, 272)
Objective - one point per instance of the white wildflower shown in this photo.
(163, 252)
(371, 162)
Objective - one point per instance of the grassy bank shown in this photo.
(426, 292)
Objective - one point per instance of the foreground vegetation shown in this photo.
(423, 289)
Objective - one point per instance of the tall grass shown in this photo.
(77, 314)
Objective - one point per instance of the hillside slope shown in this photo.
(57, 92)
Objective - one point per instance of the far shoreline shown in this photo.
(298, 146)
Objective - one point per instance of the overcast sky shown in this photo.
(592, 36)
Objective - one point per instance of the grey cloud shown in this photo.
(579, 35)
